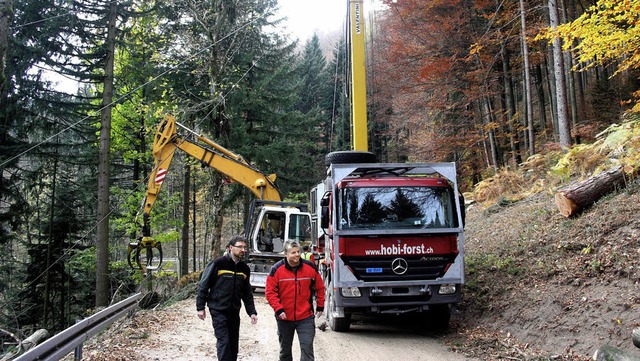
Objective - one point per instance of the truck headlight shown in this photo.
(447, 289)
(350, 292)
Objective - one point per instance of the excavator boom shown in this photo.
(233, 166)
(270, 224)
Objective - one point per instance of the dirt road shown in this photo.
(176, 333)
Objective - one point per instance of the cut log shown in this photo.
(577, 197)
(27, 344)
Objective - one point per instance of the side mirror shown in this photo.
(324, 217)
(324, 202)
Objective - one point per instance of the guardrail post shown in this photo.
(77, 352)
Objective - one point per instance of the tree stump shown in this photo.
(577, 197)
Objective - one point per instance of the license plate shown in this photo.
(374, 270)
(258, 280)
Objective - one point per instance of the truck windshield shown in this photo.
(396, 207)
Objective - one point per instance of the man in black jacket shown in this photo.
(224, 283)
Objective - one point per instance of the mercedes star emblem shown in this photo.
(399, 266)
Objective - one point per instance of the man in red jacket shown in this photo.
(291, 286)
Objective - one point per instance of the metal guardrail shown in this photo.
(66, 341)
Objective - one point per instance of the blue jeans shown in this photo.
(306, 332)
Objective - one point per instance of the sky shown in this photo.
(308, 16)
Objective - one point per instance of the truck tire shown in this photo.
(349, 156)
(439, 317)
(337, 324)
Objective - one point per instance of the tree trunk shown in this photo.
(541, 99)
(184, 247)
(194, 216)
(564, 132)
(510, 105)
(486, 102)
(577, 80)
(571, 83)
(553, 100)
(527, 81)
(577, 197)
(102, 243)
(6, 12)
(218, 215)
(52, 213)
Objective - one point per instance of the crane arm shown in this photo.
(167, 141)
(358, 77)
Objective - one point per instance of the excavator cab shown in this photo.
(270, 237)
(271, 225)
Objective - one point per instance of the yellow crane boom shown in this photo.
(358, 78)
(234, 166)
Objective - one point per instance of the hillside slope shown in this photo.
(540, 286)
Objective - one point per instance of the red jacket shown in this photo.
(292, 291)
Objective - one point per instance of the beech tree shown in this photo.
(428, 85)
(561, 91)
(607, 33)
(527, 79)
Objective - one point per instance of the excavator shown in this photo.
(271, 222)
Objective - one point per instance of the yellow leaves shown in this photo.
(619, 144)
(491, 126)
(475, 48)
(505, 183)
(608, 31)
(581, 159)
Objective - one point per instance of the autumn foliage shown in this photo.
(449, 77)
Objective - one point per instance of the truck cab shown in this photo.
(393, 240)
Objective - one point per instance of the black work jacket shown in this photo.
(223, 285)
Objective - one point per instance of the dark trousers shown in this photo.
(226, 326)
(306, 330)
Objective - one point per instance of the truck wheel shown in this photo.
(349, 156)
(439, 317)
(338, 324)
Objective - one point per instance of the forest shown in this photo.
(84, 83)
